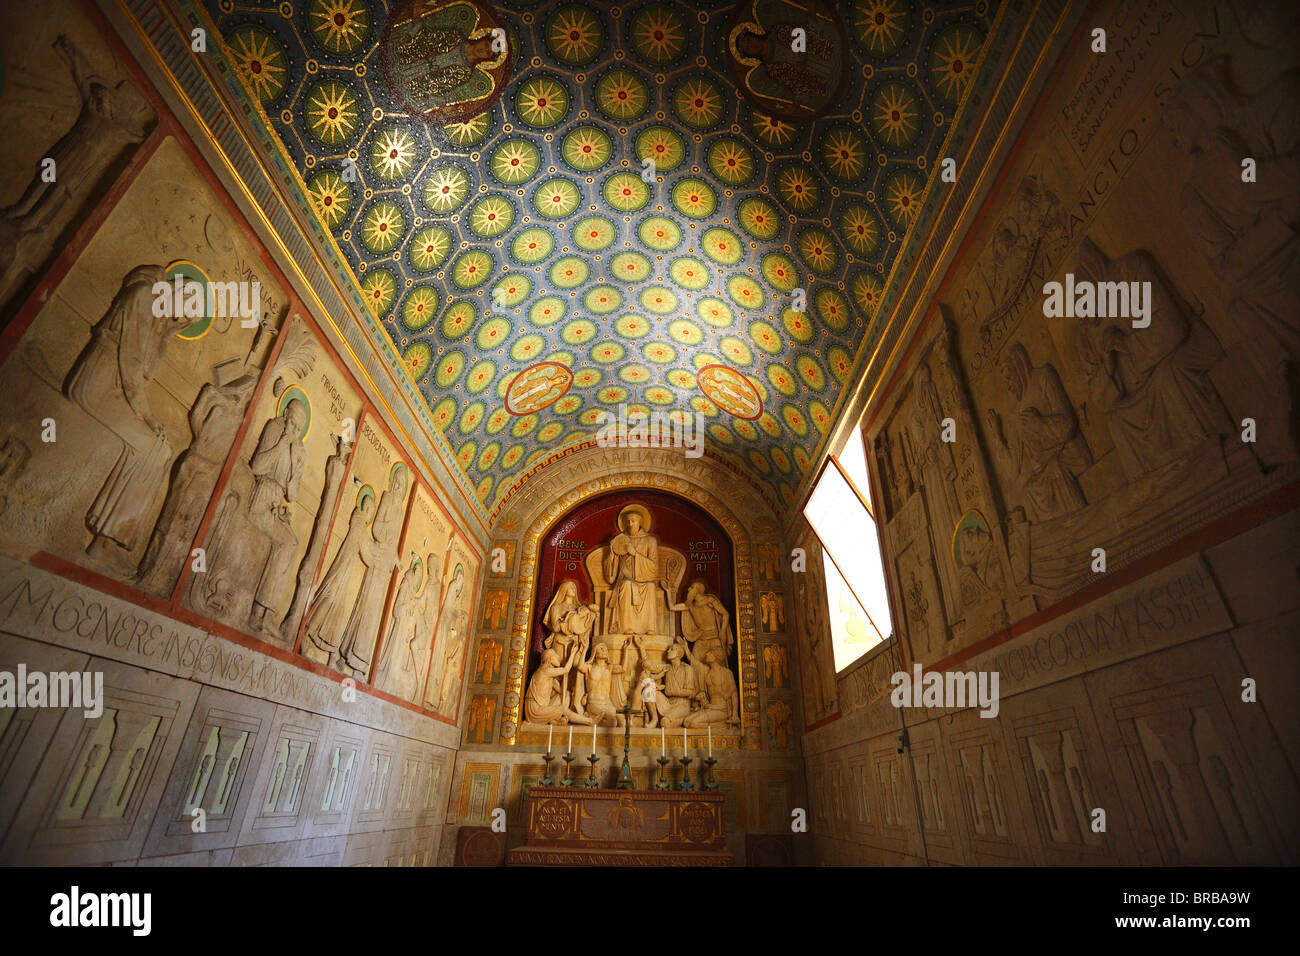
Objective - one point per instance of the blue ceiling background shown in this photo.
(526, 234)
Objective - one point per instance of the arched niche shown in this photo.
(691, 548)
(744, 517)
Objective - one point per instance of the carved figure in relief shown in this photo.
(111, 119)
(916, 611)
(649, 684)
(448, 644)
(632, 567)
(335, 465)
(422, 646)
(605, 694)
(1042, 446)
(547, 700)
(276, 465)
(706, 625)
(379, 555)
(338, 589)
(397, 666)
(567, 618)
(110, 381)
(1247, 231)
(720, 698)
(451, 663)
(1153, 383)
(214, 419)
(680, 688)
(936, 472)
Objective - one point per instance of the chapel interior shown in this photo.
(550, 432)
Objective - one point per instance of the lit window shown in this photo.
(840, 513)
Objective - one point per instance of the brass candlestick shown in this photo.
(592, 783)
(686, 774)
(710, 783)
(546, 780)
(663, 762)
(568, 769)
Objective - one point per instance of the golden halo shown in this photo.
(638, 509)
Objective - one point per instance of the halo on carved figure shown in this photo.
(295, 394)
(636, 509)
(794, 85)
(367, 492)
(971, 533)
(730, 391)
(438, 60)
(538, 387)
(399, 468)
(192, 272)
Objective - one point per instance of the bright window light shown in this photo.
(855, 578)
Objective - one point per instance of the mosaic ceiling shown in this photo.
(553, 208)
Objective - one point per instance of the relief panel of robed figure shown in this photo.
(455, 613)
(130, 385)
(342, 621)
(406, 649)
(635, 605)
(270, 523)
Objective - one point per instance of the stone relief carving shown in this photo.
(1152, 384)
(398, 669)
(630, 645)
(1246, 231)
(1041, 451)
(252, 546)
(112, 118)
(108, 381)
(378, 553)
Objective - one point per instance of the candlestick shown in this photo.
(546, 777)
(686, 775)
(568, 769)
(710, 783)
(663, 762)
(591, 780)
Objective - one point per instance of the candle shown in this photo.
(683, 741)
(662, 748)
(593, 740)
(570, 750)
(710, 740)
(549, 729)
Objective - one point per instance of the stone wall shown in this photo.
(1108, 522)
(208, 508)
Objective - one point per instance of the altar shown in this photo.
(595, 827)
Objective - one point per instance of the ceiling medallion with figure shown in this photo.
(445, 61)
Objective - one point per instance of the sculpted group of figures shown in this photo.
(681, 680)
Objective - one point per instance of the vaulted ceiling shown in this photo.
(500, 218)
